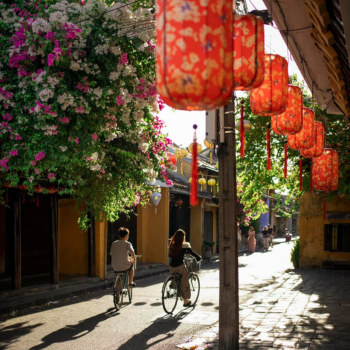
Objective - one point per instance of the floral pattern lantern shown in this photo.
(290, 122)
(325, 173)
(317, 149)
(271, 97)
(181, 153)
(305, 138)
(249, 52)
(194, 53)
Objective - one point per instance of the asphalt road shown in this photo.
(91, 322)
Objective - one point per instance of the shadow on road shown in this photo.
(11, 334)
(72, 332)
(162, 329)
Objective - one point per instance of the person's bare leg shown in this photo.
(131, 275)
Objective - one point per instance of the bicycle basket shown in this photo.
(192, 265)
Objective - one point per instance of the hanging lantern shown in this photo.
(317, 149)
(199, 148)
(179, 202)
(181, 153)
(155, 198)
(249, 52)
(190, 180)
(194, 53)
(211, 146)
(290, 122)
(211, 183)
(202, 182)
(171, 157)
(247, 125)
(305, 138)
(271, 97)
(325, 171)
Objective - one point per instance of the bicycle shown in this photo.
(122, 287)
(171, 288)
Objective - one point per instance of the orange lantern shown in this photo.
(249, 52)
(305, 138)
(194, 53)
(290, 122)
(325, 173)
(317, 149)
(271, 97)
(171, 157)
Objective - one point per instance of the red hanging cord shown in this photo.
(37, 200)
(167, 175)
(194, 175)
(242, 136)
(301, 173)
(311, 178)
(285, 158)
(324, 207)
(268, 144)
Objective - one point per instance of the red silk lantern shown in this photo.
(317, 149)
(194, 53)
(305, 138)
(290, 122)
(325, 171)
(171, 157)
(249, 52)
(271, 97)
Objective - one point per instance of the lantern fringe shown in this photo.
(285, 158)
(311, 178)
(324, 207)
(211, 157)
(182, 167)
(268, 144)
(194, 175)
(242, 136)
(301, 173)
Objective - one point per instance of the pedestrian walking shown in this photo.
(271, 235)
(251, 240)
(266, 237)
(239, 234)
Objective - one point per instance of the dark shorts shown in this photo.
(132, 265)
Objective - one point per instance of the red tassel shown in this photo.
(301, 173)
(194, 175)
(311, 178)
(324, 208)
(167, 175)
(242, 130)
(7, 196)
(285, 159)
(268, 142)
(37, 200)
(51, 201)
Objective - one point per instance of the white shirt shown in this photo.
(120, 255)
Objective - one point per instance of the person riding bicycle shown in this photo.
(121, 251)
(177, 249)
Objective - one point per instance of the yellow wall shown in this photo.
(72, 241)
(312, 229)
(153, 230)
(196, 227)
(101, 247)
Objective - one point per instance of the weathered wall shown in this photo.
(72, 241)
(197, 227)
(312, 229)
(153, 230)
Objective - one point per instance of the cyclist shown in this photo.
(121, 251)
(177, 249)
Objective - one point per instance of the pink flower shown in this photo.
(94, 137)
(80, 110)
(50, 175)
(13, 153)
(76, 140)
(18, 137)
(64, 120)
(124, 59)
(120, 100)
(37, 171)
(102, 171)
(33, 162)
(69, 138)
(39, 156)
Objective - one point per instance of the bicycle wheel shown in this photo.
(195, 288)
(170, 294)
(118, 292)
(130, 293)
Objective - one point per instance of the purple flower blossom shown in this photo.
(39, 156)
(51, 176)
(13, 153)
(94, 137)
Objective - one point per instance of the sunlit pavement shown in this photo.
(91, 322)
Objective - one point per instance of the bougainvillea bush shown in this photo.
(78, 104)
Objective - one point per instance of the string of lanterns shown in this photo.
(195, 51)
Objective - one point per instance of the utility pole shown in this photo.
(228, 310)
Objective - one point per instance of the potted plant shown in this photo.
(208, 249)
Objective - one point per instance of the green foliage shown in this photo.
(208, 244)
(295, 253)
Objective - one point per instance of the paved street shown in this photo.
(91, 322)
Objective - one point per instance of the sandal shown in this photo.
(187, 304)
